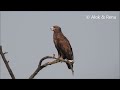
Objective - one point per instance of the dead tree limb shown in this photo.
(6, 63)
(40, 67)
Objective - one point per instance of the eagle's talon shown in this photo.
(61, 59)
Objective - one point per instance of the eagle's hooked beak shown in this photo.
(52, 29)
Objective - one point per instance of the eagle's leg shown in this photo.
(60, 57)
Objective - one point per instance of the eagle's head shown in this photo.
(56, 29)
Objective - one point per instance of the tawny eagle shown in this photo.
(62, 45)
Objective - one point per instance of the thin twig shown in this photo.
(6, 63)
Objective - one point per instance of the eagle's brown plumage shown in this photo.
(62, 45)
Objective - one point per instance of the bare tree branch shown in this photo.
(6, 63)
(40, 67)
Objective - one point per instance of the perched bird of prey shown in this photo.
(63, 46)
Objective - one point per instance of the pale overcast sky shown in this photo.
(27, 37)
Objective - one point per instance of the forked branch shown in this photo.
(40, 67)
